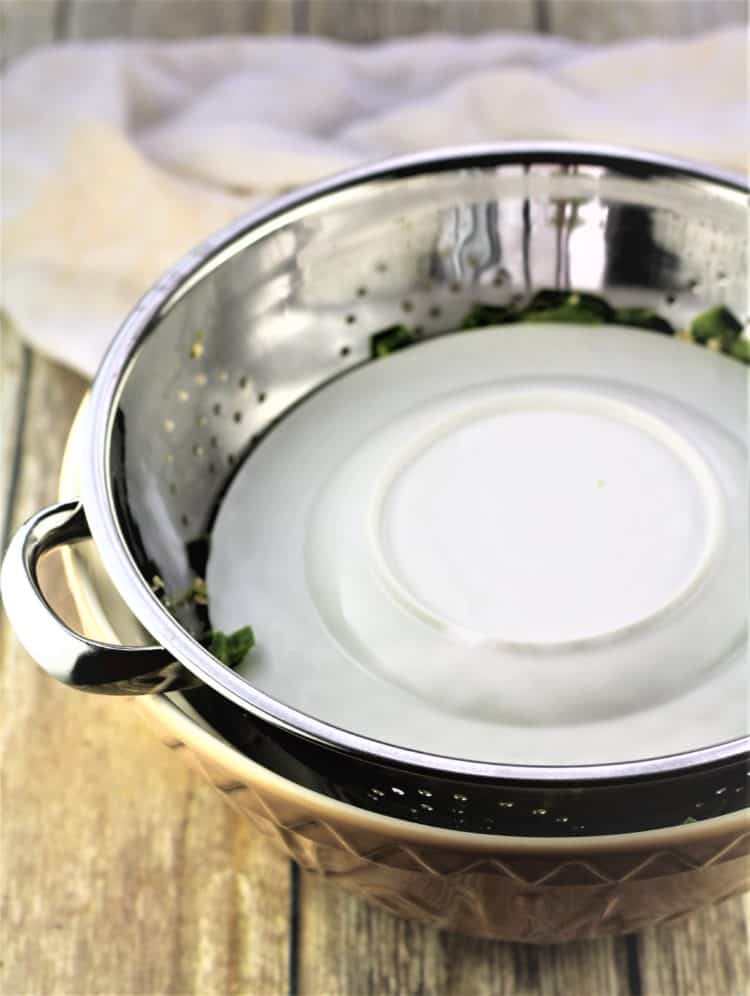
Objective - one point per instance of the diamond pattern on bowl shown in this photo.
(530, 897)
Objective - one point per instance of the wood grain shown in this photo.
(609, 20)
(175, 18)
(706, 954)
(373, 20)
(14, 363)
(25, 24)
(348, 947)
(122, 873)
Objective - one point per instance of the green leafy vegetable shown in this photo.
(740, 349)
(717, 328)
(231, 648)
(716, 323)
(482, 315)
(390, 340)
(157, 585)
(643, 318)
(587, 306)
(565, 313)
(196, 594)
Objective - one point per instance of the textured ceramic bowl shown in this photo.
(532, 889)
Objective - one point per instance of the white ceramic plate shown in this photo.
(522, 544)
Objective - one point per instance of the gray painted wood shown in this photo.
(610, 20)
(25, 24)
(365, 20)
(349, 947)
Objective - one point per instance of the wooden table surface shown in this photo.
(121, 871)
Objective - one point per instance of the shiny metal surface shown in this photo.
(67, 656)
(271, 308)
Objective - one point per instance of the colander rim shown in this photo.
(121, 566)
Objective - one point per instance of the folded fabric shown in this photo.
(118, 157)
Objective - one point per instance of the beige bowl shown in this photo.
(536, 889)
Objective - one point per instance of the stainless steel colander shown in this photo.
(289, 297)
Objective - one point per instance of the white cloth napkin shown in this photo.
(117, 157)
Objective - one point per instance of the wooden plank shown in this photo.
(14, 362)
(707, 953)
(124, 873)
(87, 20)
(371, 20)
(609, 20)
(160, 19)
(350, 947)
(24, 24)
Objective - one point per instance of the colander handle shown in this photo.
(67, 656)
